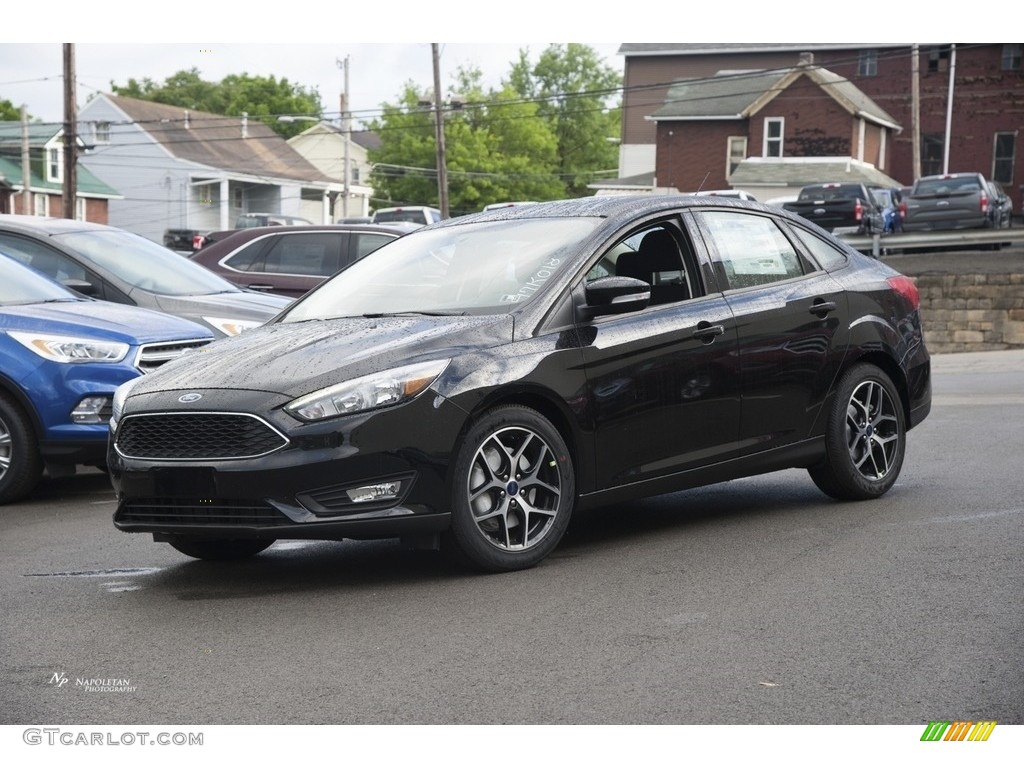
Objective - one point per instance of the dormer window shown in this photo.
(54, 164)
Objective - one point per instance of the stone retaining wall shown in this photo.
(972, 312)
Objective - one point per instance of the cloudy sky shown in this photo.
(31, 74)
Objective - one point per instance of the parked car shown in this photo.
(839, 206)
(948, 201)
(189, 240)
(417, 214)
(290, 261)
(890, 202)
(61, 358)
(115, 265)
(1000, 207)
(473, 382)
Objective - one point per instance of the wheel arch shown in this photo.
(15, 393)
(892, 369)
(548, 405)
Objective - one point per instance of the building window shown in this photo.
(773, 136)
(53, 164)
(932, 147)
(737, 153)
(1003, 151)
(1012, 56)
(40, 204)
(101, 132)
(867, 63)
(938, 59)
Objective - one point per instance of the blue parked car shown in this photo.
(62, 355)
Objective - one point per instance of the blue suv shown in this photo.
(61, 358)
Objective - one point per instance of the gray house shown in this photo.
(180, 168)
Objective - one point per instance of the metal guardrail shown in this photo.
(875, 245)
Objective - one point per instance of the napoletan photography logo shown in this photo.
(93, 684)
(958, 730)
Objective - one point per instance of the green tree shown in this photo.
(497, 149)
(259, 96)
(579, 95)
(10, 112)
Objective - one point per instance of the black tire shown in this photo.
(20, 463)
(220, 549)
(513, 491)
(865, 437)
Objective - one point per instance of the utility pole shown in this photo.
(915, 111)
(346, 129)
(949, 108)
(27, 200)
(442, 161)
(70, 135)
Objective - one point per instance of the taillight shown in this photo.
(903, 209)
(858, 211)
(984, 203)
(906, 288)
(197, 242)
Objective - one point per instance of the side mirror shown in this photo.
(615, 295)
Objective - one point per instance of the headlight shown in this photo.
(378, 390)
(230, 327)
(71, 349)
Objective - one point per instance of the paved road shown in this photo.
(756, 601)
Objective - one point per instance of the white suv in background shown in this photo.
(418, 214)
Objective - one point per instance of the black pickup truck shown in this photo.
(194, 239)
(839, 205)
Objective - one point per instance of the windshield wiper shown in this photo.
(414, 313)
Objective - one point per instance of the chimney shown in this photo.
(806, 59)
(245, 125)
(186, 120)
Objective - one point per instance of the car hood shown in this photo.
(100, 320)
(239, 305)
(293, 359)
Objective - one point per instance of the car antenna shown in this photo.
(702, 183)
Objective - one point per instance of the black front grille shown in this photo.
(199, 436)
(216, 512)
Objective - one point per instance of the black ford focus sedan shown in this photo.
(470, 385)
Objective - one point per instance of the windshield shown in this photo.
(23, 285)
(472, 268)
(144, 264)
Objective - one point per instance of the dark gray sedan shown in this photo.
(112, 264)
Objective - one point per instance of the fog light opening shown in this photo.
(374, 492)
(92, 410)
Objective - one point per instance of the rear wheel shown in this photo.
(865, 437)
(20, 463)
(513, 491)
(220, 549)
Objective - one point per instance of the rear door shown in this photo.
(791, 320)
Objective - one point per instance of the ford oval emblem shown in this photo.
(191, 397)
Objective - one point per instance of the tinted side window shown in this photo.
(246, 259)
(308, 253)
(748, 249)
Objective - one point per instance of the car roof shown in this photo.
(233, 237)
(48, 224)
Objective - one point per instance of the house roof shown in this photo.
(800, 171)
(740, 94)
(39, 134)
(225, 143)
(88, 184)
(703, 49)
(365, 139)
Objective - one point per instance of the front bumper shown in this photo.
(299, 491)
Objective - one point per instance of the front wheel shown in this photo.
(20, 463)
(220, 549)
(865, 437)
(513, 491)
